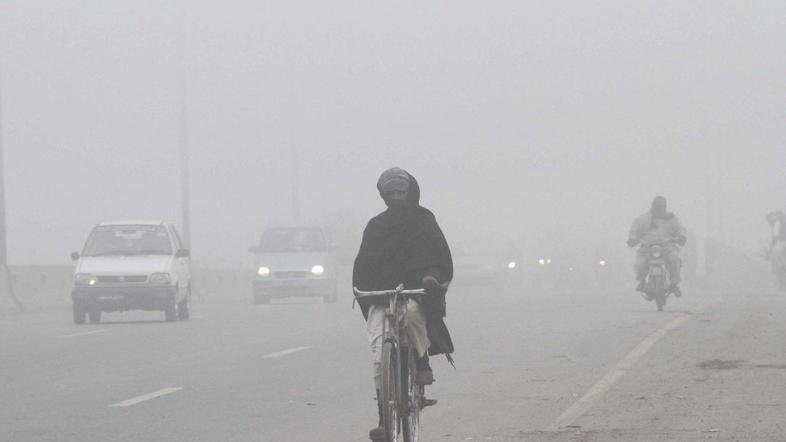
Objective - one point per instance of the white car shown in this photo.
(132, 265)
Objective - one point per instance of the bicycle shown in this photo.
(401, 399)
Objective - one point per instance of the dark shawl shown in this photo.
(401, 245)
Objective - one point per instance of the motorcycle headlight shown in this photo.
(512, 265)
(656, 254)
(602, 263)
(317, 270)
(84, 279)
(263, 271)
(160, 278)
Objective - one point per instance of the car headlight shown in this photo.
(263, 272)
(512, 265)
(84, 279)
(602, 263)
(317, 270)
(160, 278)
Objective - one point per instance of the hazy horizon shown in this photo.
(521, 120)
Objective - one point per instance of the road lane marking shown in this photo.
(147, 397)
(91, 332)
(285, 352)
(604, 384)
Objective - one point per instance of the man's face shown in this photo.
(396, 195)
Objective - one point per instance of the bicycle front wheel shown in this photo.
(413, 399)
(389, 392)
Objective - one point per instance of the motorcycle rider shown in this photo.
(404, 244)
(658, 226)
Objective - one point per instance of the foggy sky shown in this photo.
(521, 120)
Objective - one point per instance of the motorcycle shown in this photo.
(658, 281)
(778, 259)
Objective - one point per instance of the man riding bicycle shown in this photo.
(404, 245)
(654, 227)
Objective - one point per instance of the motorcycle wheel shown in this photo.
(659, 292)
(660, 300)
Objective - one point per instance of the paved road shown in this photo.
(593, 366)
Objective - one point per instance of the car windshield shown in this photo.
(128, 240)
(292, 240)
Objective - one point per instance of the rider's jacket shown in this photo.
(647, 229)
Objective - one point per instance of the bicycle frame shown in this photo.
(394, 337)
(391, 333)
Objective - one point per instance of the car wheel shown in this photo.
(261, 299)
(183, 307)
(94, 315)
(80, 313)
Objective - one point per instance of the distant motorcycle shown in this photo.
(658, 278)
(778, 259)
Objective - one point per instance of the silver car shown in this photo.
(132, 265)
(294, 261)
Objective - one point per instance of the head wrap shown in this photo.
(659, 201)
(393, 179)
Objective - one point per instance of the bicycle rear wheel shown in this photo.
(389, 391)
(412, 400)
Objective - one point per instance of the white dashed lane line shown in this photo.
(147, 397)
(91, 332)
(285, 352)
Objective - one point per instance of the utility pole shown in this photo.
(708, 203)
(185, 172)
(295, 174)
(3, 229)
(3, 241)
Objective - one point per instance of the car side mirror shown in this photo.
(253, 249)
(74, 256)
(183, 253)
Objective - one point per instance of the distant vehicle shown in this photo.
(499, 269)
(294, 261)
(132, 265)
(778, 260)
(576, 265)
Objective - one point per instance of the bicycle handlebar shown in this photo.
(663, 243)
(398, 290)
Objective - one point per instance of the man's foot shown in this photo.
(676, 290)
(429, 402)
(377, 434)
(640, 287)
(424, 377)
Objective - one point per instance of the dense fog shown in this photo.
(537, 131)
(523, 121)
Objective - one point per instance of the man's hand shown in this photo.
(633, 242)
(682, 240)
(432, 286)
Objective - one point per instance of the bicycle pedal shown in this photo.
(429, 402)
